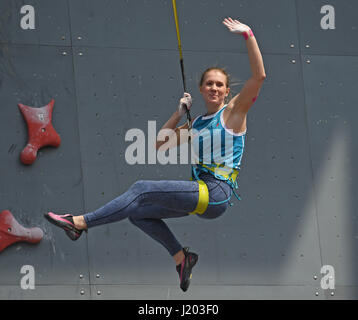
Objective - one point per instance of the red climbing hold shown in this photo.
(40, 130)
(11, 231)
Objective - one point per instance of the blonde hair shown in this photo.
(222, 70)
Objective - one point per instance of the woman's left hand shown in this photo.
(236, 26)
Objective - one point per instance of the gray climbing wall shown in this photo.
(112, 66)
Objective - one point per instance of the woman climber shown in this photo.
(146, 203)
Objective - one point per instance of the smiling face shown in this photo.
(214, 89)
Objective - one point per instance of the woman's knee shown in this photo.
(140, 186)
(137, 185)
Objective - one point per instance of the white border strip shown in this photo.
(230, 130)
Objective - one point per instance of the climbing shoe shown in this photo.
(66, 223)
(184, 269)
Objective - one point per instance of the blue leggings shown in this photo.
(147, 202)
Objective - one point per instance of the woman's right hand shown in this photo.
(184, 104)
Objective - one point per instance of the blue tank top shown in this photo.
(215, 148)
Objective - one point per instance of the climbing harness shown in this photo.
(203, 200)
(221, 172)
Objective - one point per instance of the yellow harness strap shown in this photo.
(225, 172)
(203, 200)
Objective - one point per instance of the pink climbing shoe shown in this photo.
(66, 223)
